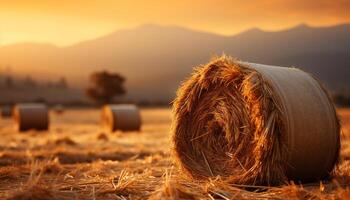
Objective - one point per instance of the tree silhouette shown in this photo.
(9, 82)
(341, 99)
(30, 82)
(104, 86)
(62, 83)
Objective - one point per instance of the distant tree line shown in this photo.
(341, 99)
(10, 82)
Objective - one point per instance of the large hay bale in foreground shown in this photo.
(31, 116)
(254, 124)
(124, 117)
(6, 111)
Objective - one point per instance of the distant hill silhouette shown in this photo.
(155, 59)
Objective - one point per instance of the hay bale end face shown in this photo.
(124, 117)
(254, 124)
(31, 116)
(6, 111)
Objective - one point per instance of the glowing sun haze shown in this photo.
(65, 22)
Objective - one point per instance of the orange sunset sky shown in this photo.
(66, 22)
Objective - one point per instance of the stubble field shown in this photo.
(76, 159)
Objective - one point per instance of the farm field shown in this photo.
(76, 159)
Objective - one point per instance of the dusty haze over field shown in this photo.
(152, 54)
(161, 41)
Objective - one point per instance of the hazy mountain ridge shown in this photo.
(155, 59)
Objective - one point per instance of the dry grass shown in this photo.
(127, 166)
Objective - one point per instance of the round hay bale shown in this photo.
(31, 116)
(254, 124)
(6, 111)
(125, 117)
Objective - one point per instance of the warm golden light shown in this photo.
(66, 22)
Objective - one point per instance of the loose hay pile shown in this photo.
(31, 116)
(254, 124)
(124, 117)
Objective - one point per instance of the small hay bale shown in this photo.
(254, 124)
(124, 117)
(6, 111)
(31, 116)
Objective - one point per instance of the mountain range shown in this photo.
(155, 59)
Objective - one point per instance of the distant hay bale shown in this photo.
(254, 124)
(124, 117)
(6, 111)
(31, 116)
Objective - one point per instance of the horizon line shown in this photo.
(302, 24)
